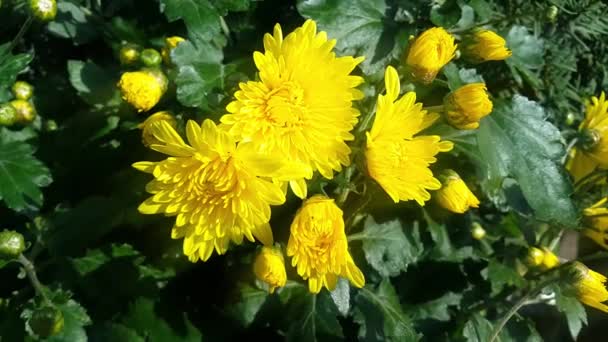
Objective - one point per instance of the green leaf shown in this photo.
(380, 316)
(199, 73)
(314, 318)
(94, 84)
(11, 66)
(528, 55)
(360, 28)
(477, 329)
(341, 296)
(519, 329)
(21, 176)
(387, 248)
(501, 275)
(459, 77)
(443, 249)
(200, 17)
(73, 22)
(517, 141)
(249, 304)
(144, 319)
(574, 311)
(437, 308)
(115, 333)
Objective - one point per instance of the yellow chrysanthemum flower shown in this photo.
(485, 45)
(454, 194)
(141, 89)
(593, 152)
(396, 159)
(596, 223)
(301, 108)
(430, 52)
(590, 287)
(217, 190)
(318, 245)
(170, 44)
(147, 137)
(269, 267)
(465, 106)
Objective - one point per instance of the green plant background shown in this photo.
(66, 182)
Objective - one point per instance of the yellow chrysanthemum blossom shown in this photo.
(217, 190)
(593, 152)
(454, 195)
(465, 106)
(396, 159)
(301, 108)
(141, 89)
(147, 136)
(596, 223)
(170, 44)
(430, 52)
(269, 267)
(485, 45)
(318, 245)
(590, 287)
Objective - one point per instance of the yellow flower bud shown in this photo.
(550, 260)
(22, 90)
(129, 54)
(44, 10)
(141, 89)
(485, 45)
(465, 106)
(596, 223)
(269, 267)
(430, 52)
(535, 257)
(477, 231)
(170, 44)
(590, 286)
(318, 245)
(454, 194)
(26, 112)
(147, 135)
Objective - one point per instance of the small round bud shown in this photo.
(477, 231)
(50, 125)
(22, 90)
(150, 58)
(129, 54)
(44, 10)
(8, 115)
(11, 244)
(551, 14)
(46, 321)
(26, 113)
(570, 119)
(535, 256)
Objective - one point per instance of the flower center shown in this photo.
(284, 105)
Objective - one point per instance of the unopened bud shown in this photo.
(43, 10)
(129, 54)
(26, 113)
(477, 231)
(8, 115)
(151, 58)
(22, 90)
(552, 13)
(47, 321)
(11, 244)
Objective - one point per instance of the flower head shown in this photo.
(594, 151)
(454, 194)
(147, 136)
(318, 245)
(170, 44)
(430, 52)
(301, 108)
(141, 89)
(596, 223)
(396, 158)
(485, 45)
(466, 105)
(269, 267)
(590, 287)
(217, 190)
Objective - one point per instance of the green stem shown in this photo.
(21, 32)
(30, 271)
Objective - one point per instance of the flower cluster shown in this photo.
(295, 120)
